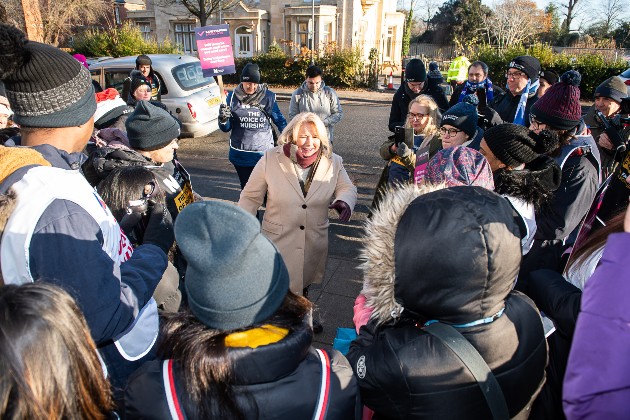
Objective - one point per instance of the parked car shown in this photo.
(188, 95)
(625, 76)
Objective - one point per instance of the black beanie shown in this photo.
(143, 60)
(463, 115)
(45, 86)
(150, 127)
(612, 88)
(527, 64)
(550, 76)
(250, 73)
(235, 276)
(515, 144)
(137, 80)
(415, 71)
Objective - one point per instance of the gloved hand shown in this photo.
(159, 230)
(224, 113)
(343, 209)
(129, 221)
(403, 150)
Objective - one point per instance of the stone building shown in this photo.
(255, 24)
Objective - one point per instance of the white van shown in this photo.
(190, 96)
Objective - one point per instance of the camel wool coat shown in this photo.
(298, 225)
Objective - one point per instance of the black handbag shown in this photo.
(471, 358)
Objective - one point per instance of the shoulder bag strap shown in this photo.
(465, 351)
(174, 407)
(324, 386)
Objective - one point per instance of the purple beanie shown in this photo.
(560, 107)
(457, 166)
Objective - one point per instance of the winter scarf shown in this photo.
(292, 152)
(254, 98)
(411, 93)
(529, 91)
(471, 88)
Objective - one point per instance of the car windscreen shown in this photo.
(190, 76)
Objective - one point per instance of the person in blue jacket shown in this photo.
(55, 227)
(250, 109)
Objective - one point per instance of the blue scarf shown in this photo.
(530, 89)
(470, 88)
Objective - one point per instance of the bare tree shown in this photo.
(514, 22)
(572, 10)
(200, 9)
(611, 11)
(59, 17)
(426, 9)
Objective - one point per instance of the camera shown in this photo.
(143, 207)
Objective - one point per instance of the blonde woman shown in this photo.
(301, 177)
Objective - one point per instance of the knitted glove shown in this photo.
(224, 113)
(129, 221)
(159, 230)
(343, 209)
(403, 150)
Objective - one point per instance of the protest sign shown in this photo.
(214, 46)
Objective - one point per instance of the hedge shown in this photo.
(593, 68)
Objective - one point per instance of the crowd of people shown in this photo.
(494, 260)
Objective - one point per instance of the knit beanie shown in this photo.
(45, 86)
(463, 116)
(415, 71)
(527, 64)
(109, 107)
(143, 60)
(560, 107)
(235, 276)
(612, 88)
(457, 166)
(550, 76)
(250, 73)
(137, 80)
(515, 144)
(81, 59)
(434, 71)
(150, 127)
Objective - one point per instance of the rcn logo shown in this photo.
(450, 117)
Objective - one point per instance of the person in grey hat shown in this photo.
(242, 349)
(607, 101)
(56, 228)
(247, 114)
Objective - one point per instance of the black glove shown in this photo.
(403, 150)
(159, 230)
(343, 209)
(224, 113)
(129, 221)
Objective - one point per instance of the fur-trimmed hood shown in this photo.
(435, 253)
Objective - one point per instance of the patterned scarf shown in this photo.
(529, 91)
(254, 98)
(470, 88)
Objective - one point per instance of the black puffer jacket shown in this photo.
(282, 378)
(402, 97)
(450, 255)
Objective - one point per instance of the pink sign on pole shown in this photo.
(215, 50)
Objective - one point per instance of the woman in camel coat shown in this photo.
(301, 177)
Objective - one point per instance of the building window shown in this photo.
(185, 37)
(289, 29)
(389, 42)
(117, 15)
(263, 40)
(326, 35)
(145, 30)
(303, 34)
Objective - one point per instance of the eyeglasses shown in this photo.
(516, 75)
(535, 124)
(413, 116)
(452, 132)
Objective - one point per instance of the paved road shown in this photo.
(357, 139)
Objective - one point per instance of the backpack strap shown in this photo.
(174, 406)
(465, 351)
(324, 386)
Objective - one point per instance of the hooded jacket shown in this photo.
(324, 103)
(449, 255)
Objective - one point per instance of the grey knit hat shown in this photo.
(235, 276)
(612, 88)
(45, 86)
(150, 127)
